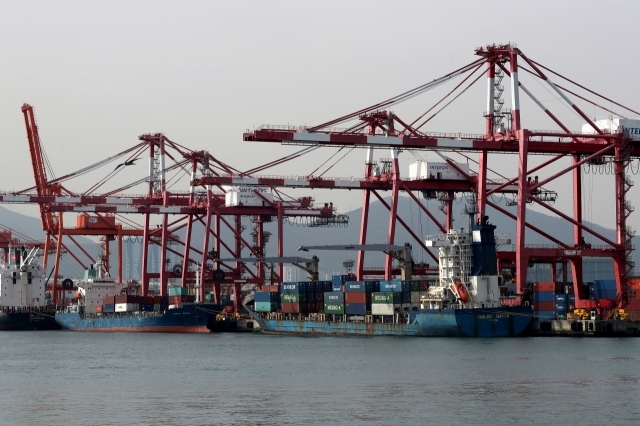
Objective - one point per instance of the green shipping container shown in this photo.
(208, 297)
(178, 291)
(293, 297)
(385, 298)
(334, 308)
(415, 286)
(266, 306)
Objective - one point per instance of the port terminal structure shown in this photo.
(376, 127)
(209, 198)
(214, 207)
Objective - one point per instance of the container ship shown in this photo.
(464, 301)
(23, 303)
(100, 307)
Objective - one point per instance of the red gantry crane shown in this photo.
(611, 141)
(97, 214)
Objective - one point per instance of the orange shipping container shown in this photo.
(355, 298)
(544, 287)
(99, 309)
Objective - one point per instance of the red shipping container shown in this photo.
(544, 287)
(174, 300)
(355, 298)
(293, 308)
(109, 300)
(99, 309)
(544, 306)
(121, 299)
(157, 300)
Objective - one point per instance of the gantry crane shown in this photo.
(377, 127)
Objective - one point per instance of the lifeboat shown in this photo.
(460, 291)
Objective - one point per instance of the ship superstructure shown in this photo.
(468, 276)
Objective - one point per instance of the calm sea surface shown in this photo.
(66, 378)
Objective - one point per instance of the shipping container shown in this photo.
(174, 300)
(549, 305)
(178, 291)
(385, 298)
(336, 288)
(543, 287)
(355, 298)
(99, 309)
(293, 298)
(127, 307)
(382, 308)
(109, 300)
(266, 306)
(354, 286)
(333, 297)
(415, 297)
(262, 296)
(147, 307)
(424, 285)
(108, 308)
(415, 286)
(544, 297)
(546, 315)
(293, 308)
(355, 308)
(394, 286)
(293, 287)
(334, 308)
(405, 297)
(339, 279)
(210, 297)
(372, 286)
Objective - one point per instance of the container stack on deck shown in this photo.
(341, 297)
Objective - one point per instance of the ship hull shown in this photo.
(486, 322)
(19, 321)
(186, 319)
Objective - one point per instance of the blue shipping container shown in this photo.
(608, 284)
(561, 308)
(394, 286)
(334, 297)
(406, 285)
(372, 286)
(293, 287)
(354, 287)
(546, 296)
(263, 296)
(336, 288)
(355, 308)
(546, 315)
(326, 286)
(561, 297)
(108, 308)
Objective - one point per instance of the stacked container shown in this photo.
(544, 300)
(561, 306)
(293, 297)
(603, 289)
(266, 301)
(355, 298)
(334, 303)
(385, 303)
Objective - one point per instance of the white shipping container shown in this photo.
(630, 128)
(415, 297)
(127, 307)
(382, 309)
(434, 170)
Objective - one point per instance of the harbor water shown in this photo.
(68, 378)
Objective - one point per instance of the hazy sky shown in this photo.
(101, 73)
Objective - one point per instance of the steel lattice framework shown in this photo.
(376, 127)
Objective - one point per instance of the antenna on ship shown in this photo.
(471, 208)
